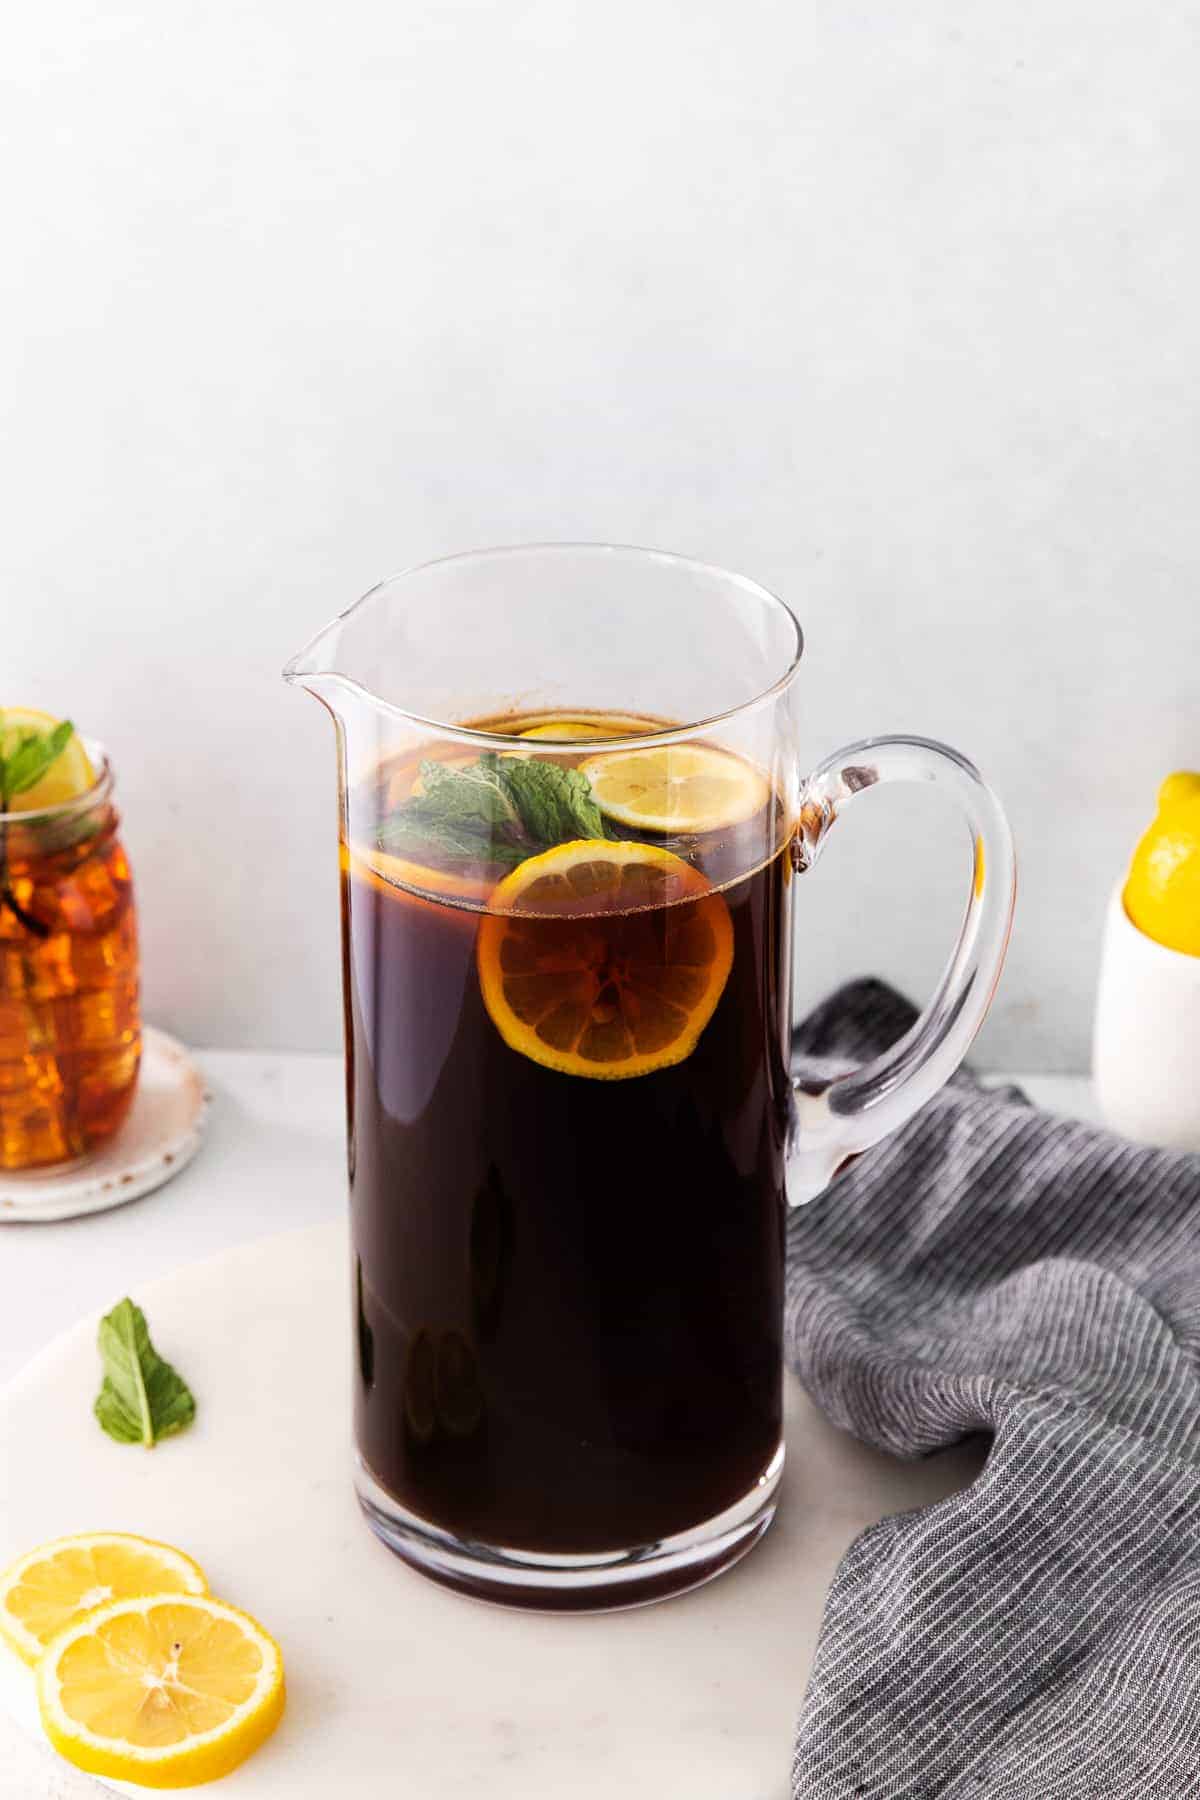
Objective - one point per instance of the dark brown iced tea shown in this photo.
(568, 1284)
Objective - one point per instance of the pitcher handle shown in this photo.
(855, 1110)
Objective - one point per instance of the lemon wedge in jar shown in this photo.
(67, 776)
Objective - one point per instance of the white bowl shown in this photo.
(1146, 1048)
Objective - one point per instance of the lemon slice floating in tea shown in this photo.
(676, 788)
(399, 875)
(597, 725)
(604, 959)
(166, 1690)
(56, 1584)
(561, 730)
(68, 776)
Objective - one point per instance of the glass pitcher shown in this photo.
(573, 828)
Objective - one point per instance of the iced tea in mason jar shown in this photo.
(70, 1029)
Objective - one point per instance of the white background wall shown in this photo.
(894, 307)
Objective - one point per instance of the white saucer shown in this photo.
(160, 1137)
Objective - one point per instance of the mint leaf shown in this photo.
(471, 795)
(142, 1398)
(496, 810)
(555, 804)
(422, 832)
(30, 757)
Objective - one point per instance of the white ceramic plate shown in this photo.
(160, 1137)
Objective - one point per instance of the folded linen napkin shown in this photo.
(993, 1269)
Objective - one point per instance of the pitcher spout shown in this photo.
(342, 664)
(316, 669)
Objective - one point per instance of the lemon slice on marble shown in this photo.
(52, 1586)
(166, 1691)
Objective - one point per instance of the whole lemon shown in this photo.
(1162, 895)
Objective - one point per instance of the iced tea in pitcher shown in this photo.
(575, 808)
(569, 1110)
(70, 1034)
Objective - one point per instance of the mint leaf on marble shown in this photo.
(142, 1398)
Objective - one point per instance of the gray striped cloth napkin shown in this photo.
(993, 1269)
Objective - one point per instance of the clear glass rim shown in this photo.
(99, 791)
(307, 665)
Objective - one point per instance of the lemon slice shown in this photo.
(165, 1691)
(604, 959)
(69, 775)
(57, 1583)
(399, 876)
(677, 788)
(562, 729)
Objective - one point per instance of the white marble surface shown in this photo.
(399, 1690)
(273, 1157)
(274, 1160)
